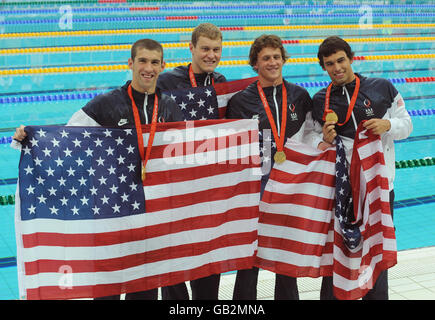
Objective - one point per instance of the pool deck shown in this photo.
(413, 278)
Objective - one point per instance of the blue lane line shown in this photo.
(8, 262)
(414, 202)
(417, 138)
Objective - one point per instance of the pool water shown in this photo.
(87, 47)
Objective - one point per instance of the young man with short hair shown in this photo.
(268, 99)
(355, 98)
(116, 109)
(206, 49)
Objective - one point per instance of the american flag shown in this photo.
(344, 210)
(87, 226)
(300, 236)
(209, 102)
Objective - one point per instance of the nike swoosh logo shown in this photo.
(122, 122)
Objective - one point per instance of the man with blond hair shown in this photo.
(206, 49)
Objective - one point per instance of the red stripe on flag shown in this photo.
(380, 205)
(125, 262)
(76, 292)
(374, 159)
(287, 221)
(299, 199)
(301, 248)
(233, 86)
(202, 146)
(305, 177)
(187, 174)
(376, 182)
(294, 270)
(306, 159)
(227, 89)
(213, 194)
(137, 234)
(183, 125)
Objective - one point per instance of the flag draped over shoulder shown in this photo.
(299, 234)
(88, 227)
(209, 102)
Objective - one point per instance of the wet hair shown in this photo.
(264, 41)
(207, 30)
(148, 44)
(332, 45)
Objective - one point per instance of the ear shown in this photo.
(130, 63)
(163, 65)
(191, 47)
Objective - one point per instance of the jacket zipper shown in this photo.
(277, 109)
(145, 103)
(348, 103)
(207, 80)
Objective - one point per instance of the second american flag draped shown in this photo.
(300, 236)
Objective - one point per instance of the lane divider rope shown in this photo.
(189, 30)
(120, 67)
(186, 44)
(90, 95)
(239, 17)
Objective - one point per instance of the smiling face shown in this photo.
(269, 66)
(206, 54)
(146, 67)
(339, 68)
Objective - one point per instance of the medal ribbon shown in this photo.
(351, 105)
(192, 77)
(279, 140)
(144, 157)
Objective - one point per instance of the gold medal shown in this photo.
(331, 116)
(279, 157)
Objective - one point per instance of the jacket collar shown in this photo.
(125, 87)
(269, 90)
(200, 77)
(349, 86)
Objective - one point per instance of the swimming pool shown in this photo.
(48, 73)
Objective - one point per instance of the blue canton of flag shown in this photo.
(343, 200)
(75, 173)
(267, 150)
(198, 103)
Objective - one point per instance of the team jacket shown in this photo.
(247, 104)
(377, 98)
(114, 109)
(178, 78)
